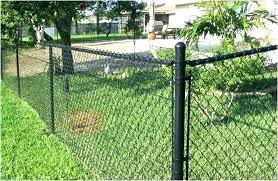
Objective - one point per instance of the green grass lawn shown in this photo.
(28, 151)
(134, 139)
(120, 126)
(93, 37)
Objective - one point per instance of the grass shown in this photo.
(92, 37)
(28, 151)
(133, 140)
(120, 148)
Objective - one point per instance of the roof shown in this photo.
(184, 2)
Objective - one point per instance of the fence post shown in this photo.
(2, 63)
(51, 86)
(178, 138)
(187, 157)
(17, 71)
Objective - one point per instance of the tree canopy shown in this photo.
(17, 13)
(61, 13)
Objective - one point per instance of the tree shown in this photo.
(227, 19)
(60, 13)
(134, 17)
(104, 9)
(78, 17)
(40, 13)
(112, 9)
(17, 14)
(111, 12)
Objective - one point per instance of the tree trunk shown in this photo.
(98, 24)
(47, 37)
(64, 28)
(76, 27)
(32, 33)
(39, 33)
(109, 29)
(98, 18)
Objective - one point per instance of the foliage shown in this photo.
(10, 21)
(31, 13)
(134, 17)
(112, 9)
(168, 54)
(227, 20)
(225, 74)
(109, 10)
(229, 73)
(14, 14)
(28, 151)
(61, 13)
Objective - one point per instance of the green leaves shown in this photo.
(227, 20)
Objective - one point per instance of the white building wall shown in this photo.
(49, 31)
(183, 14)
(272, 6)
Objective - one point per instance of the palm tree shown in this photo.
(227, 20)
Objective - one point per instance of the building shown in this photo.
(176, 13)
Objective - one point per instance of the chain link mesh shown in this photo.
(233, 127)
(114, 113)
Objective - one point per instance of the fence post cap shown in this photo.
(180, 44)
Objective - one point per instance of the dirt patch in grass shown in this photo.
(85, 122)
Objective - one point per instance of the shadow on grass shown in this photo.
(251, 111)
(95, 38)
(142, 82)
(274, 132)
(257, 84)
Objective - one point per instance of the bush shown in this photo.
(166, 54)
(229, 73)
(221, 75)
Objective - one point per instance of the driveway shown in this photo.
(35, 61)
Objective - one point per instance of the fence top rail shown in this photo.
(232, 55)
(129, 56)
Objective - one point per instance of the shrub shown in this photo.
(229, 73)
(220, 75)
(166, 54)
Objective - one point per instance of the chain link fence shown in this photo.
(122, 114)
(114, 111)
(233, 126)
(82, 29)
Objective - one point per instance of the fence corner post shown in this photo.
(17, 70)
(51, 88)
(2, 63)
(178, 137)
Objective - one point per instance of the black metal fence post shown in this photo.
(17, 71)
(187, 157)
(51, 73)
(2, 63)
(178, 139)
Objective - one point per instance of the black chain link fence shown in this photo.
(115, 111)
(233, 126)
